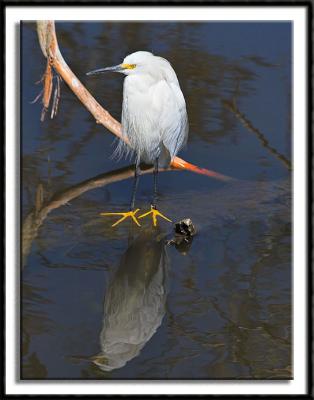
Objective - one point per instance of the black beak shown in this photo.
(115, 68)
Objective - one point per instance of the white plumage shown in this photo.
(154, 116)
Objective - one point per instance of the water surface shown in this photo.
(103, 303)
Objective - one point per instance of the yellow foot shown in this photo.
(125, 215)
(155, 213)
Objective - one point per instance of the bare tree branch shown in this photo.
(49, 46)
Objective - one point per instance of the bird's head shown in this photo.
(135, 63)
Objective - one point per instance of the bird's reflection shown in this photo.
(135, 300)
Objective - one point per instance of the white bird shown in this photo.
(154, 118)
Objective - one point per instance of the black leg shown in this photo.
(135, 184)
(155, 183)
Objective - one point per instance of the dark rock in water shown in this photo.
(185, 227)
(184, 232)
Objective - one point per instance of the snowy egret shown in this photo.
(154, 119)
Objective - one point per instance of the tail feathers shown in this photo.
(164, 159)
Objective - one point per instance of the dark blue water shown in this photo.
(99, 303)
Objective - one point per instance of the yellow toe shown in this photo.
(128, 214)
(154, 213)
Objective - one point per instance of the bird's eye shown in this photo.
(128, 66)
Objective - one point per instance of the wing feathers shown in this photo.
(153, 116)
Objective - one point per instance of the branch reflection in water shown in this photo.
(36, 217)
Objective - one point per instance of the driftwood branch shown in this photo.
(50, 49)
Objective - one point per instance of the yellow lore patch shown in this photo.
(128, 66)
